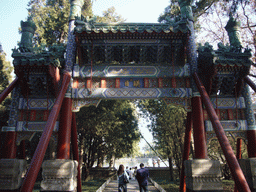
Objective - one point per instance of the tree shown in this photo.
(107, 131)
(167, 127)
(110, 16)
(51, 19)
(5, 79)
(199, 8)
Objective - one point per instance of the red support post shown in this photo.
(186, 151)
(64, 133)
(198, 127)
(36, 162)
(5, 93)
(251, 146)
(76, 151)
(238, 154)
(238, 148)
(234, 166)
(9, 147)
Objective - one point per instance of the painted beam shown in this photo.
(131, 71)
(229, 125)
(131, 93)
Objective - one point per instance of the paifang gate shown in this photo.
(129, 61)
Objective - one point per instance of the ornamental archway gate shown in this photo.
(128, 61)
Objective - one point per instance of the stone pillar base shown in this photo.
(59, 175)
(203, 175)
(11, 173)
(249, 169)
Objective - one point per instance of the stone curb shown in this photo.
(157, 185)
(103, 186)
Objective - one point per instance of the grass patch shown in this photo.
(37, 187)
(228, 185)
(92, 185)
(173, 186)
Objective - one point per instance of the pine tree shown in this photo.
(51, 18)
(110, 16)
(5, 79)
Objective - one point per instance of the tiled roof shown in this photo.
(82, 26)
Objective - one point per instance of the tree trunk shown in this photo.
(93, 151)
(99, 160)
(171, 168)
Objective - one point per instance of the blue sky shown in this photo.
(13, 11)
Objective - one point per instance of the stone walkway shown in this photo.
(132, 186)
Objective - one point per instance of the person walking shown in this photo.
(123, 179)
(142, 178)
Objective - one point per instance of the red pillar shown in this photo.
(9, 147)
(198, 127)
(238, 154)
(251, 146)
(76, 151)
(186, 151)
(238, 148)
(64, 133)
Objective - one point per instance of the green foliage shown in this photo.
(51, 18)
(5, 79)
(228, 185)
(110, 129)
(215, 152)
(167, 126)
(200, 7)
(110, 16)
(92, 185)
(172, 11)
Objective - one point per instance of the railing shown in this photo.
(36, 162)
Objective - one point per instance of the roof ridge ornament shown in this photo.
(186, 9)
(28, 29)
(75, 8)
(233, 29)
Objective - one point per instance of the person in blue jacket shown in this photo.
(123, 179)
(142, 178)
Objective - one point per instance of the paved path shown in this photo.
(132, 186)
